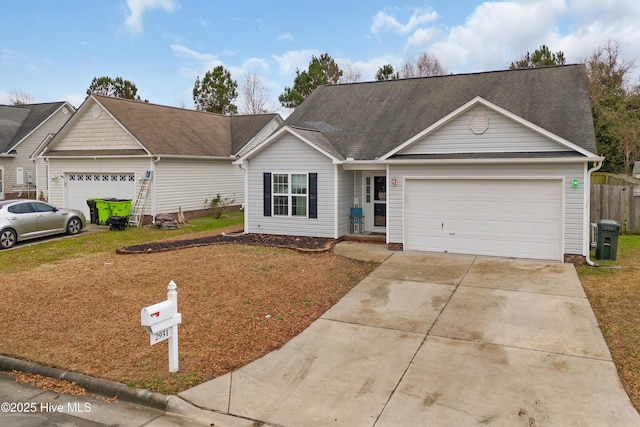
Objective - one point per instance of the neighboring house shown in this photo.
(494, 163)
(23, 128)
(636, 169)
(111, 144)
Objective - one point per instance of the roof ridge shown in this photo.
(470, 73)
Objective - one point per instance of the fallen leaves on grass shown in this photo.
(238, 302)
(614, 295)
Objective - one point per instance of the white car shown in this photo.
(24, 219)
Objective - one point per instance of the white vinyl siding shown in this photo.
(573, 196)
(93, 133)
(187, 184)
(290, 155)
(503, 135)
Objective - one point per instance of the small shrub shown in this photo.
(219, 205)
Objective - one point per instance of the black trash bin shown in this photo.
(117, 222)
(93, 211)
(607, 242)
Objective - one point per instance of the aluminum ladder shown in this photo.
(135, 217)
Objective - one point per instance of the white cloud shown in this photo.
(294, 59)
(369, 67)
(422, 36)
(384, 21)
(255, 65)
(203, 61)
(137, 9)
(181, 50)
(497, 33)
(12, 58)
(286, 36)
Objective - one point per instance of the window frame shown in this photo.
(289, 195)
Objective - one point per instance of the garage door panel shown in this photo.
(513, 218)
(82, 186)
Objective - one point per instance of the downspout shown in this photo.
(244, 166)
(336, 183)
(597, 166)
(153, 194)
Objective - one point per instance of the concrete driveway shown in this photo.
(435, 340)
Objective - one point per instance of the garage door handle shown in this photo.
(452, 234)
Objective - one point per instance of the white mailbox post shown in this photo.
(161, 321)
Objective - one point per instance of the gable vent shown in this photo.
(479, 123)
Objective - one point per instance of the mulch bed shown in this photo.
(302, 243)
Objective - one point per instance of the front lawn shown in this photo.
(614, 293)
(74, 304)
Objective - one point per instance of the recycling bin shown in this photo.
(93, 210)
(120, 207)
(607, 242)
(104, 210)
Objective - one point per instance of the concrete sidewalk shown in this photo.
(438, 340)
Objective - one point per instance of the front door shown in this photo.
(1, 183)
(375, 202)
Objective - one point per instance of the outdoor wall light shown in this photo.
(394, 181)
(575, 183)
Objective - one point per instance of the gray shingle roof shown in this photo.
(17, 121)
(367, 120)
(167, 130)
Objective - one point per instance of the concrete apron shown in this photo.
(438, 340)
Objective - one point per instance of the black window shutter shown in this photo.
(313, 195)
(267, 193)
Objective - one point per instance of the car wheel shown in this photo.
(7, 239)
(74, 226)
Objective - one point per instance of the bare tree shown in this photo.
(426, 65)
(607, 71)
(253, 95)
(19, 97)
(350, 74)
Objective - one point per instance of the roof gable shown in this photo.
(19, 121)
(481, 126)
(171, 131)
(366, 121)
(314, 139)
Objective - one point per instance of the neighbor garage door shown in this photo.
(82, 186)
(498, 217)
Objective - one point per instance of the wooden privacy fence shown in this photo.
(616, 197)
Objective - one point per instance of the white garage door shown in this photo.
(82, 186)
(508, 218)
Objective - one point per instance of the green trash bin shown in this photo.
(120, 207)
(607, 242)
(104, 210)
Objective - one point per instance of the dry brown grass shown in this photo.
(614, 295)
(238, 303)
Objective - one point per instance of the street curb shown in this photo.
(95, 385)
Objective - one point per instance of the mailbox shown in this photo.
(160, 316)
(157, 313)
(162, 320)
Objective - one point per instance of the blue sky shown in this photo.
(51, 50)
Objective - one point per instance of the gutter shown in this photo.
(597, 166)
